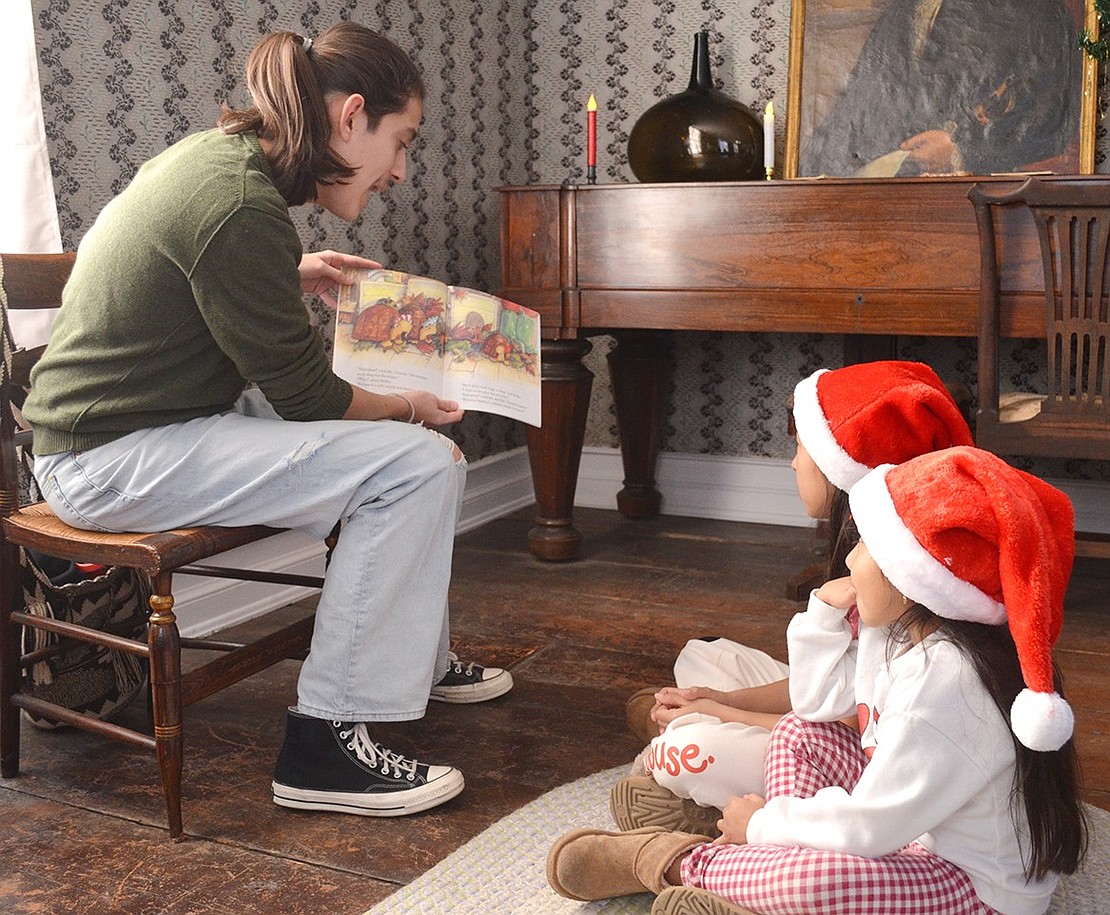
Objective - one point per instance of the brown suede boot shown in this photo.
(639, 800)
(686, 900)
(638, 712)
(589, 864)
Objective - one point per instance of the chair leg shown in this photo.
(10, 652)
(165, 689)
(798, 586)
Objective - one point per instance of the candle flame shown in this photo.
(591, 105)
(770, 110)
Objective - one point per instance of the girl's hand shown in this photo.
(837, 593)
(664, 715)
(322, 273)
(675, 697)
(734, 823)
(670, 702)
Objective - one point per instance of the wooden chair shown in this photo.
(36, 281)
(1072, 418)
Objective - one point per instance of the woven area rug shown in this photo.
(502, 870)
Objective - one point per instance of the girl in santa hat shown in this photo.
(970, 803)
(708, 736)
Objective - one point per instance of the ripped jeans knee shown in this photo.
(304, 452)
(453, 449)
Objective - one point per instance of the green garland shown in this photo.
(1099, 48)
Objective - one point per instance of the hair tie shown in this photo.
(306, 43)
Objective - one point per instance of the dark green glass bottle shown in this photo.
(697, 135)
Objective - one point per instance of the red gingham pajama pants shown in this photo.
(802, 758)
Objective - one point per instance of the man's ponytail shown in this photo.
(290, 78)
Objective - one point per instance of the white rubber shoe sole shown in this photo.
(443, 784)
(497, 685)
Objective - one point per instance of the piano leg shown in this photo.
(869, 348)
(638, 367)
(555, 449)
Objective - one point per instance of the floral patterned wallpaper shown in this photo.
(507, 83)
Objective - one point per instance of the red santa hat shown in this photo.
(857, 417)
(972, 538)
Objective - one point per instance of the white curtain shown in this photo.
(28, 211)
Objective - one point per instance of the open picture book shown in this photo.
(396, 332)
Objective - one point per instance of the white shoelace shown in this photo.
(459, 669)
(375, 755)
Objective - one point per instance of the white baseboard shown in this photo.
(204, 605)
(495, 487)
(760, 490)
(701, 486)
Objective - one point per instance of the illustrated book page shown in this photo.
(396, 332)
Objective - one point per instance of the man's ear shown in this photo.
(348, 110)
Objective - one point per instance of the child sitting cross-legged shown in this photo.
(708, 736)
(969, 803)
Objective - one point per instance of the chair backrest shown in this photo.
(1072, 221)
(26, 281)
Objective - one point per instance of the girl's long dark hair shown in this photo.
(289, 85)
(1047, 784)
(843, 536)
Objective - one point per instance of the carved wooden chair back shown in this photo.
(36, 281)
(1070, 418)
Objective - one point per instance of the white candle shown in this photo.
(769, 136)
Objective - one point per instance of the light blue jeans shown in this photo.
(381, 634)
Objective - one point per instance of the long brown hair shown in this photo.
(1046, 784)
(290, 78)
(843, 535)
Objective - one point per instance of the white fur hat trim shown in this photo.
(907, 564)
(1041, 721)
(841, 469)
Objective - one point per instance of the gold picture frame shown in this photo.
(840, 50)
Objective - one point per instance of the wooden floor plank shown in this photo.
(85, 824)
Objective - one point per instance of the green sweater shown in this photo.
(184, 290)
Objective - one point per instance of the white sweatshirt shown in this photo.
(838, 676)
(942, 773)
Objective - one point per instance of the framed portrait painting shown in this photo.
(901, 88)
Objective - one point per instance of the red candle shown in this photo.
(591, 139)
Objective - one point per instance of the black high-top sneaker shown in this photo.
(334, 765)
(470, 682)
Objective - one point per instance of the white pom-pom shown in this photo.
(1041, 721)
